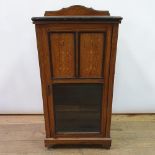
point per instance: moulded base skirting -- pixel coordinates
(105, 142)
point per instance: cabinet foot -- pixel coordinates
(104, 142)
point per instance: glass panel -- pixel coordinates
(77, 107)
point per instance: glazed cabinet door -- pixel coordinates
(77, 107)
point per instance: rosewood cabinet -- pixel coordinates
(77, 51)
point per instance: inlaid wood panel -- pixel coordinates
(91, 54)
(62, 54)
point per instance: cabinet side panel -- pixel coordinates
(111, 76)
(62, 54)
(91, 54)
(43, 75)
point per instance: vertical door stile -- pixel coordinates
(77, 63)
(106, 80)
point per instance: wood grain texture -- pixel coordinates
(24, 134)
(91, 54)
(44, 74)
(62, 54)
(77, 10)
(77, 48)
(105, 142)
(106, 80)
(78, 80)
(111, 76)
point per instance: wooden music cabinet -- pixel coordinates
(77, 51)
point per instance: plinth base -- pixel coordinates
(104, 142)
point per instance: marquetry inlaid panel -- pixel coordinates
(62, 55)
(91, 54)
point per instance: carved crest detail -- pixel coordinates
(77, 10)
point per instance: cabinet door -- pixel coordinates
(62, 54)
(77, 107)
(91, 54)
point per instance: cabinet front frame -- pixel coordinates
(43, 49)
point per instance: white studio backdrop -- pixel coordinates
(20, 87)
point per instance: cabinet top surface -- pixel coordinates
(112, 19)
(77, 13)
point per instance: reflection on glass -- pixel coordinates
(77, 107)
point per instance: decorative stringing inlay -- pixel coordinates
(62, 53)
(91, 54)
